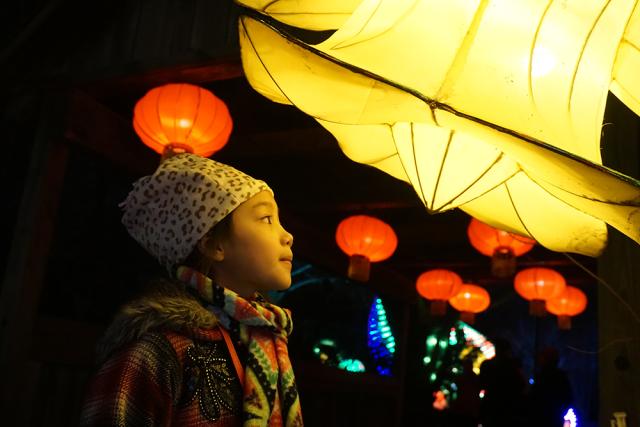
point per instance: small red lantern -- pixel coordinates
(178, 118)
(538, 285)
(470, 300)
(438, 286)
(503, 247)
(571, 302)
(365, 239)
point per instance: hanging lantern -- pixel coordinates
(503, 247)
(438, 286)
(571, 302)
(178, 118)
(470, 300)
(468, 102)
(365, 239)
(538, 285)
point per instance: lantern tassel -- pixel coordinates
(564, 322)
(358, 268)
(536, 308)
(438, 307)
(468, 317)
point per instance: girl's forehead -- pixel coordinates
(263, 199)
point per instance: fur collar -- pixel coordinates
(167, 306)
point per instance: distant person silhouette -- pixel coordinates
(503, 385)
(551, 394)
(466, 408)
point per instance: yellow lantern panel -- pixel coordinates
(487, 123)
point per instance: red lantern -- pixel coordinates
(571, 302)
(438, 286)
(538, 285)
(365, 239)
(503, 247)
(470, 300)
(178, 118)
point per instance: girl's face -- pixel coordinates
(256, 256)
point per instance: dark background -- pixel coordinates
(71, 74)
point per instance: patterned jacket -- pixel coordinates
(165, 363)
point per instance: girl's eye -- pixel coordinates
(266, 219)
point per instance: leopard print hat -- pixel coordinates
(170, 211)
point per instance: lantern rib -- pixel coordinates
(515, 209)
(381, 159)
(361, 29)
(395, 144)
(342, 46)
(157, 102)
(584, 47)
(475, 181)
(344, 239)
(415, 163)
(432, 103)
(175, 115)
(489, 190)
(444, 159)
(253, 46)
(533, 46)
(582, 196)
(268, 5)
(457, 65)
(213, 120)
(195, 115)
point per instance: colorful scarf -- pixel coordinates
(270, 393)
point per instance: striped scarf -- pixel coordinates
(270, 393)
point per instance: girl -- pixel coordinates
(204, 348)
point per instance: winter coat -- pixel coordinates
(164, 363)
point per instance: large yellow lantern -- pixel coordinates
(494, 107)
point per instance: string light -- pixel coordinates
(570, 419)
(381, 342)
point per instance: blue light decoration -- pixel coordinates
(570, 419)
(382, 344)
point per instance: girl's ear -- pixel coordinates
(211, 248)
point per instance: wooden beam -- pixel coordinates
(197, 73)
(92, 125)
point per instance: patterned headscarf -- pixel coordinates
(170, 211)
(270, 396)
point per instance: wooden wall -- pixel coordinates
(619, 307)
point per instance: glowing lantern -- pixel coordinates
(438, 286)
(571, 302)
(177, 118)
(475, 104)
(503, 247)
(470, 300)
(538, 285)
(365, 239)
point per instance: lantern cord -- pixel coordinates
(601, 349)
(607, 285)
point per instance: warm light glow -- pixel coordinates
(188, 116)
(570, 302)
(539, 284)
(438, 284)
(367, 236)
(486, 239)
(437, 94)
(543, 62)
(471, 299)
